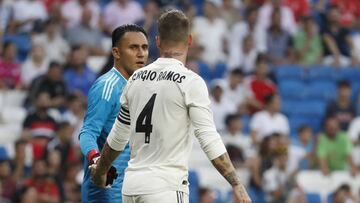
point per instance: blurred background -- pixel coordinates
(283, 78)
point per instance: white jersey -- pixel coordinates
(158, 105)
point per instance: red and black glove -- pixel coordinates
(111, 175)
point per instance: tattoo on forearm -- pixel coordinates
(107, 156)
(226, 169)
(172, 54)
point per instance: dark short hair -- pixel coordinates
(343, 83)
(54, 64)
(231, 117)
(237, 71)
(269, 98)
(120, 31)
(62, 125)
(173, 26)
(302, 128)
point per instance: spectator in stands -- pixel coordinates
(354, 135)
(39, 126)
(206, 195)
(302, 150)
(334, 149)
(71, 187)
(259, 83)
(269, 121)
(120, 12)
(343, 109)
(5, 15)
(246, 57)
(62, 143)
(9, 67)
(7, 181)
(47, 190)
(355, 37)
(343, 195)
(237, 92)
(22, 161)
(210, 32)
(246, 29)
(72, 10)
(28, 14)
(55, 46)
(235, 141)
(349, 11)
(337, 41)
(278, 41)
(53, 84)
(76, 106)
(25, 194)
(287, 23)
(229, 12)
(220, 105)
(259, 164)
(307, 43)
(78, 76)
(84, 34)
(35, 65)
(149, 23)
(276, 179)
(299, 8)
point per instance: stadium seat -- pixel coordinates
(350, 74)
(306, 108)
(289, 71)
(287, 106)
(193, 187)
(313, 198)
(355, 86)
(292, 89)
(296, 121)
(22, 42)
(246, 123)
(323, 90)
(319, 72)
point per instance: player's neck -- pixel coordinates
(122, 71)
(179, 54)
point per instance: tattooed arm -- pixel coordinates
(102, 166)
(226, 169)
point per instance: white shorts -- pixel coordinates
(163, 197)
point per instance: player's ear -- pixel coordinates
(115, 52)
(190, 40)
(157, 41)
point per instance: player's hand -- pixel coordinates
(240, 195)
(98, 179)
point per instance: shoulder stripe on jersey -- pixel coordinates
(125, 110)
(124, 118)
(107, 84)
(108, 96)
(122, 121)
(124, 115)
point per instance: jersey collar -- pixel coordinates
(118, 73)
(168, 60)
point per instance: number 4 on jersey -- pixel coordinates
(143, 122)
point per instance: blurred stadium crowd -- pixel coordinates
(283, 77)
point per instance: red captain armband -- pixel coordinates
(92, 156)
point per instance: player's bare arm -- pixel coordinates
(102, 166)
(226, 169)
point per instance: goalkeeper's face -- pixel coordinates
(132, 51)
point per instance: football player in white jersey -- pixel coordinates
(158, 105)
